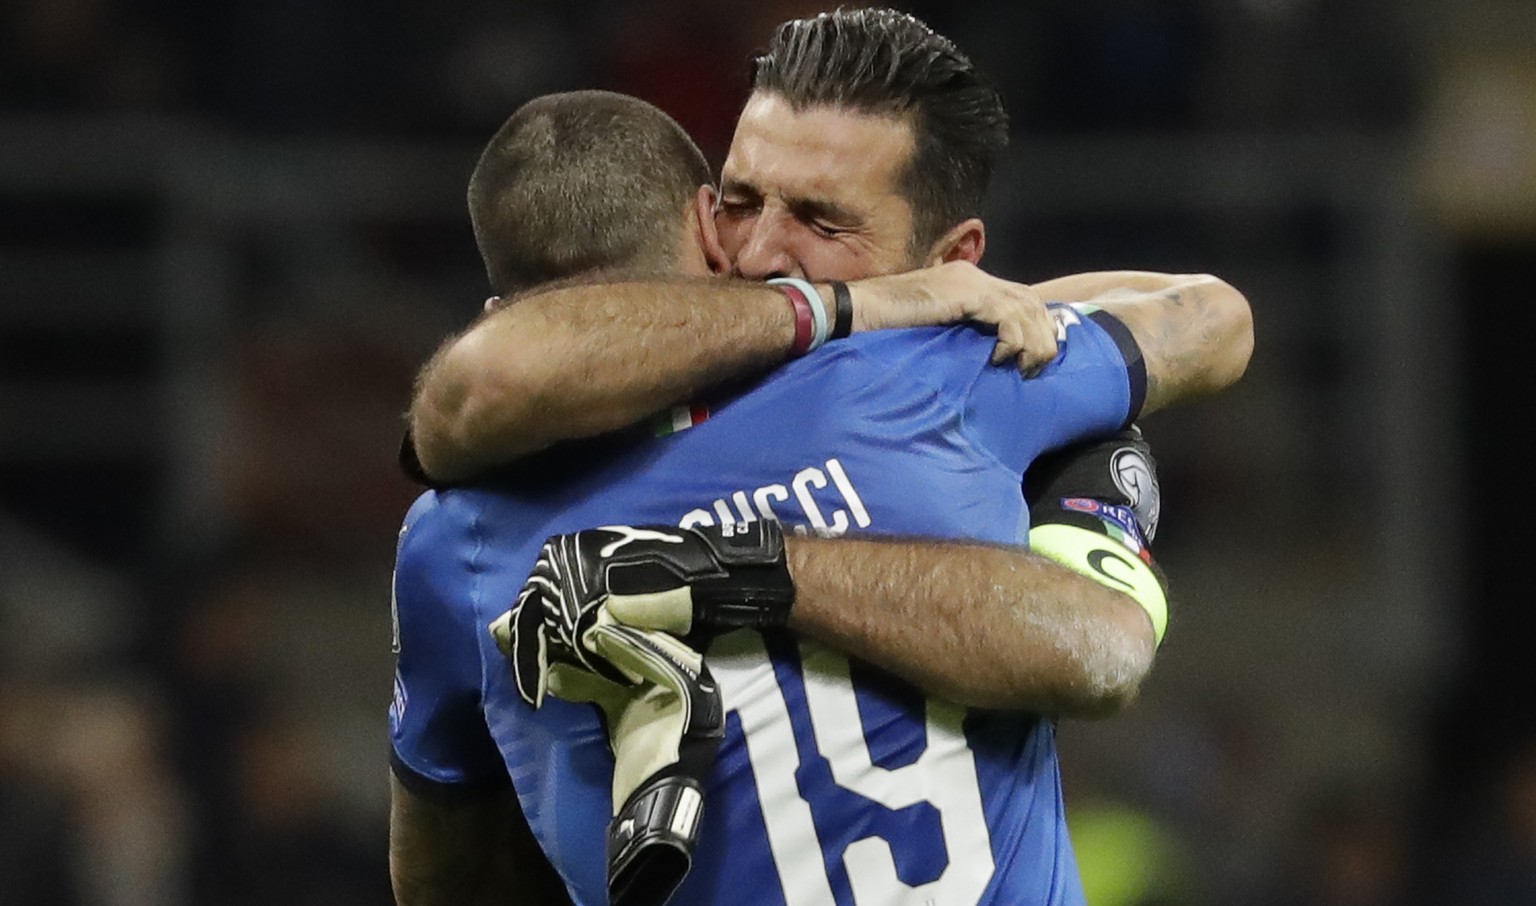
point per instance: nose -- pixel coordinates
(765, 253)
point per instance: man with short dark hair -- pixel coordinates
(1092, 657)
(597, 208)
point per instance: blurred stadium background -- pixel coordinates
(230, 232)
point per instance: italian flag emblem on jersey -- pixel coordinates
(679, 418)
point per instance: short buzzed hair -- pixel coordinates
(581, 183)
(882, 62)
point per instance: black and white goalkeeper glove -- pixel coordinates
(664, 721)
(600, 620)
(693, 583)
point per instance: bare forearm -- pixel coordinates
(1083, 287)
(581, 360)
(1195, 334)
(993, 628)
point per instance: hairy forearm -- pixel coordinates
(476, 854)
(1195, 334)
(987, 627)
(581, 360)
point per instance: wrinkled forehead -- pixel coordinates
(822, 149)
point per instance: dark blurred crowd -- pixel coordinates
(419, 68)
(196, 715)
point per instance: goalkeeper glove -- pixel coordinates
(691, 582)
(665, 722)
(592, 624)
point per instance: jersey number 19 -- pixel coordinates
(944, 776)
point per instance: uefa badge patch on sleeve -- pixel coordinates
(1134, 477)
(1120, 522)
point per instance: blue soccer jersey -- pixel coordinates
(836, 783)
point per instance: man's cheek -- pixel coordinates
(732, 235)
(835, 261)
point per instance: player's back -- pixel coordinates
(836, 783)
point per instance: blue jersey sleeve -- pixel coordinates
(1095, 386)
(441, 744)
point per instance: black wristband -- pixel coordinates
(842, 324)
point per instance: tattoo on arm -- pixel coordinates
(1195, 337)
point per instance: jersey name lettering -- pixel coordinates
(825, 495)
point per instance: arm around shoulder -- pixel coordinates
(579, 360)
(471, 406)
(984, 626)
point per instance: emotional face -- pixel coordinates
(814, 193)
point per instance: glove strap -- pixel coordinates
(755, 591)
(651, 840)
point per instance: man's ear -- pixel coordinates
(965, 241)
(709, 239)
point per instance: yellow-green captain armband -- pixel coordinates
(1106, 561)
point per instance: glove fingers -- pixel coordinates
(676, 701)
(646, 655)
(501, 633)
(578, 684)
(529, 649)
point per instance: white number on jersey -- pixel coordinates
(943, 776)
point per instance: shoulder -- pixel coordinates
(427, 524)
(936, 357)
(438, 539)
(963, 341)
(1089, 333)
(442, 519)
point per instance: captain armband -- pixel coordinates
(1107, 562)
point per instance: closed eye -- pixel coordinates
(826, 218)
(737, 207)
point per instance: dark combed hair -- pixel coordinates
(581, 183)
(883, 62)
